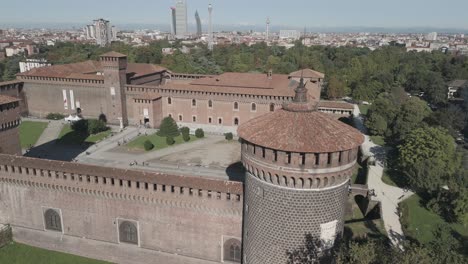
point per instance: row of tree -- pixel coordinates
(357, 72)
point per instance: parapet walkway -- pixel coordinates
(388, 196)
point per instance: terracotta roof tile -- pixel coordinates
(4, 99)
(335, 104)
(88, 70)
(307, 73)
(113, 54)
(303, 132)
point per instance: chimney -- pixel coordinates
(270, 74)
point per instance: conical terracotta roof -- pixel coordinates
(299, 127)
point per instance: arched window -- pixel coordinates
(194, 119)
(210, 104)
(170, 115)
(52, 220)
(194, 102)
(232, 250)
(209, 120)
(253, 107)
(169, 100)
(236, 121)
(220, 121)
(128, 232)
(180, 117)
(272, 107)
(236, 106)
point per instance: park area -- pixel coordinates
(30, 131)
(420, 223)
(159, 142)
(16, 253)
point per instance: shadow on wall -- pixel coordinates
(236, 172)
(54, 150)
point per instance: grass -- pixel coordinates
(357, 226)
(420, 223)
(70, 137)
(379, 140)
(30, 131)
(363, 109)
(16, 253)
(158, 142)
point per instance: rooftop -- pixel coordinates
(4, 99)
(300, 128)
(307, 73)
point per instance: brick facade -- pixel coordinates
(171, 216)
(9, 122)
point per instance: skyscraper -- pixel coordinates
(199, 29)
(267, 29)
(181, 18)
(173, 28)
(210, 28)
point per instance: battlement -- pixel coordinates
(93, 80)
(115, 183)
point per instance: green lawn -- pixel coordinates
(30, 131)
(158, 142)
(363, 109)
(70, 137)
(357, 226)
(379, 140)
(420, 223)
(16, 253)
(387, 179)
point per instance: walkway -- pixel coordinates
(51, 132)
(389, 196)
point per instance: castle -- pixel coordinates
(297, 155)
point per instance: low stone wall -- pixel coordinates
(5, 235)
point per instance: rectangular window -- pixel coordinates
(317, 158)
(303, 158)
(288, 154)
(329, 160)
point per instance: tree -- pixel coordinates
(446, 247)
(168, 128)
(310, 253)
(199, 133)
(411, 115)
(96, 126)
(427, 157)
(335, 88)
(377, 125)
(148, 145)
(228, 136)
(170, 141)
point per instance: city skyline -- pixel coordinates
(337, 13)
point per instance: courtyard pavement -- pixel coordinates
(179, 159)
(389, 196)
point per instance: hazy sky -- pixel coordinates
(300, 13)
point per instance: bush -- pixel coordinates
(199, 133)
(80, 126)
(103, 118)
(170, 141)
(168, 128)
(55, 116)
(148, 145)
(185, 130)
(96, 126)
(228, 136)
(186, 137)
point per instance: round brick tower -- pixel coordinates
(299, 162)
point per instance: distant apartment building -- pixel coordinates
(27, 49)
(181, 19)
(289, 34)
(101, 31)
(30, 64)
(455, 88)
(431, 36)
